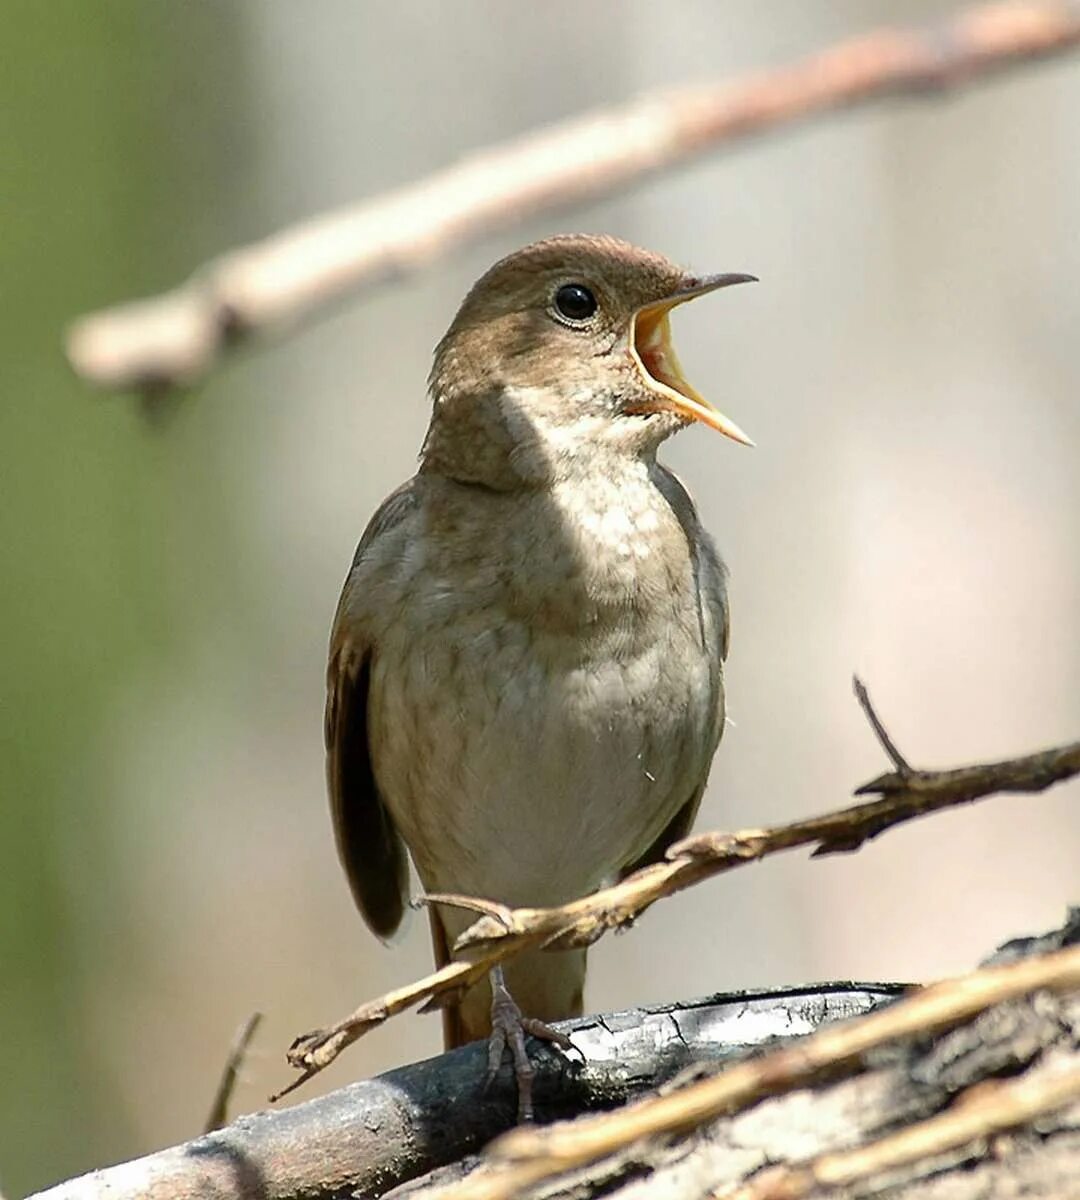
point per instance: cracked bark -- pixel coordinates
(984, 1107)
(368, 1137)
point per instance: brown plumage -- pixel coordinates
(525, 686)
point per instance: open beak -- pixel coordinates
(654, 356)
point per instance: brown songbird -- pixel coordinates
(525, 688)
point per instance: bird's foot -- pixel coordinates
(508, 1030)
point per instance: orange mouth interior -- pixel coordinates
(653, 353)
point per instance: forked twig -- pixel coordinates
(502, 932)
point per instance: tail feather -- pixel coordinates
(549, 986)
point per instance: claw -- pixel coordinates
(508, 1029)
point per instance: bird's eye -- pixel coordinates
(575, 302)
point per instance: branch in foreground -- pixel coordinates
(174, 339)
(983, 1111)
(373, 1135)
(503, 932)
(525, 1158)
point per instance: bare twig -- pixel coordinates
(525, 1157)
(503, 932)
(174, 339)
(219, 1110)
(880, 732)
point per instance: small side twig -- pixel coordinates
(502, 933)
(880, 732)
(219, 1110)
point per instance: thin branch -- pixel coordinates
(983, 1111)
(525, 1157)
(504, 932)
(219, 1110)
(174, 339)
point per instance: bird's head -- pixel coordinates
(564, 348)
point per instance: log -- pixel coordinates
(370, 1136)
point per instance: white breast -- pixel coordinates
(542, 704)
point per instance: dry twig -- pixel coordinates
(503, 932)
(525, 1157)
(174, 339)
(219, 1110)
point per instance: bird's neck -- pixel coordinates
(505, 441)
(470, 440)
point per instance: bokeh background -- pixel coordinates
(908, 366)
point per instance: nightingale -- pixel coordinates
(525, 683)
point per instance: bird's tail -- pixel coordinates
(546, 985)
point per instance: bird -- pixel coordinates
(525, 686)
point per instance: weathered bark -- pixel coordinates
(986, 1108)
(1032, 1039)
(978, 1098)
(371, 1136)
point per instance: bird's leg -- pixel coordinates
(508, 1030)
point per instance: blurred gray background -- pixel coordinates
(908, 367)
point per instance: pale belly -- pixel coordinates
(523, 769)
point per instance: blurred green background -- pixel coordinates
(912, 511)
(113, 155)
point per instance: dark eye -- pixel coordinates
(575, 302)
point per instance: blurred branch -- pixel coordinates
(174, 339)
(526, 1157)
(219, 1109)
(502, 932)
(370, 1136)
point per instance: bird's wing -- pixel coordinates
(710, 582)
(710, 575)
(676, 829)
(369, 845)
